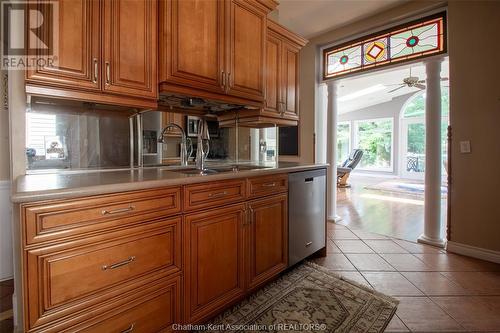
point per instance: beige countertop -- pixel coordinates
(38, 187)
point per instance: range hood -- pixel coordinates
(197, 105)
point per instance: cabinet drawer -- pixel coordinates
(215, 193)
(74, 274)
(61, 219)
(150, 314)
(266, 185)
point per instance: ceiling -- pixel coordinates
(385, 78)
(310, 18)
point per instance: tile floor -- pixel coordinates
(438, 291)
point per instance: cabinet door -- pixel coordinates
(130, 51)
(213, 249)
(290, 63)
(78, 52)
(273, 75)
(267, 238)
(246, 57)
(173, 118)
(192, 43)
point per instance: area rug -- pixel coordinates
(415, 189)
(309, 298)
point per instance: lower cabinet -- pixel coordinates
(267, 237)
(214, 260)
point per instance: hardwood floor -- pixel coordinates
(437, 291)
(393, 214)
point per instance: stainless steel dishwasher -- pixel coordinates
(306, 214)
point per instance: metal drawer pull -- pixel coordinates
(117, 211)
(130, 329)
(118, 264)
(269, 185)
(108, 73)
(216, 195)
(308, 244)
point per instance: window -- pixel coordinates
(375, 138)
(343, 141)
(409, 41)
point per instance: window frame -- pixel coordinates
(350, 142)
(442, 15)
(356, 143)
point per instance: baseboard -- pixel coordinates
(472, 251)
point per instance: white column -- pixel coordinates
(331, 151)
(432, 215)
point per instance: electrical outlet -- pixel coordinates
(465, 147)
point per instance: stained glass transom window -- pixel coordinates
(414, 40)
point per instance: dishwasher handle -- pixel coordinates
(309, 180)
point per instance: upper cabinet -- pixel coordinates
(214, 49)
(103, 55)
(281, 82)
(130, 47)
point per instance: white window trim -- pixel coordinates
(346, 122)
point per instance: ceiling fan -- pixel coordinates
(410, 82)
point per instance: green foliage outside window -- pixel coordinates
(375, 138)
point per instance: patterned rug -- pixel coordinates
(309, 298)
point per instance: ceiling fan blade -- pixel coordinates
(393, 90)
(395, 84)
(421, 81)
(420, 86)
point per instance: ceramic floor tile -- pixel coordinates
(471, 312)
(447, 262)
(336, 261)
(417, 248)
(396, 325)
(392, 283)
(355, 277)
(331, 247)
(335, 226)
(480, 283)
(434, 283)
(342, 234)
(352, 246)
(493, 302)
(405, 262)
(369, 262)
(384, 246)
(367, 235)
(421, 314)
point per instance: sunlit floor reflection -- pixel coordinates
(399, 215)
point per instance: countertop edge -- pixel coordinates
(71, 193)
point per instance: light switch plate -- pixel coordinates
(465, 147)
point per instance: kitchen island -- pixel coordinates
(142, 249)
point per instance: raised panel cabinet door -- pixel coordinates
(76, 48)
(247, 50)
(267, 235)
(290, 56)
(192, 43)
(214, 270)
(130, 47)
(273, 75)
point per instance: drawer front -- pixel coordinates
(55, 220)
(266, 185)
(148, 315)
(215, 193)
(72, 274)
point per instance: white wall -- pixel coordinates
(389, 109)
(6, 268)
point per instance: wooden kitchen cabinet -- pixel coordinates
(130, 52)
(79, 45)
(214, 49)
(267, 238)
(214, 260)
(103, 55)
(173, 118)
(281, 105)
